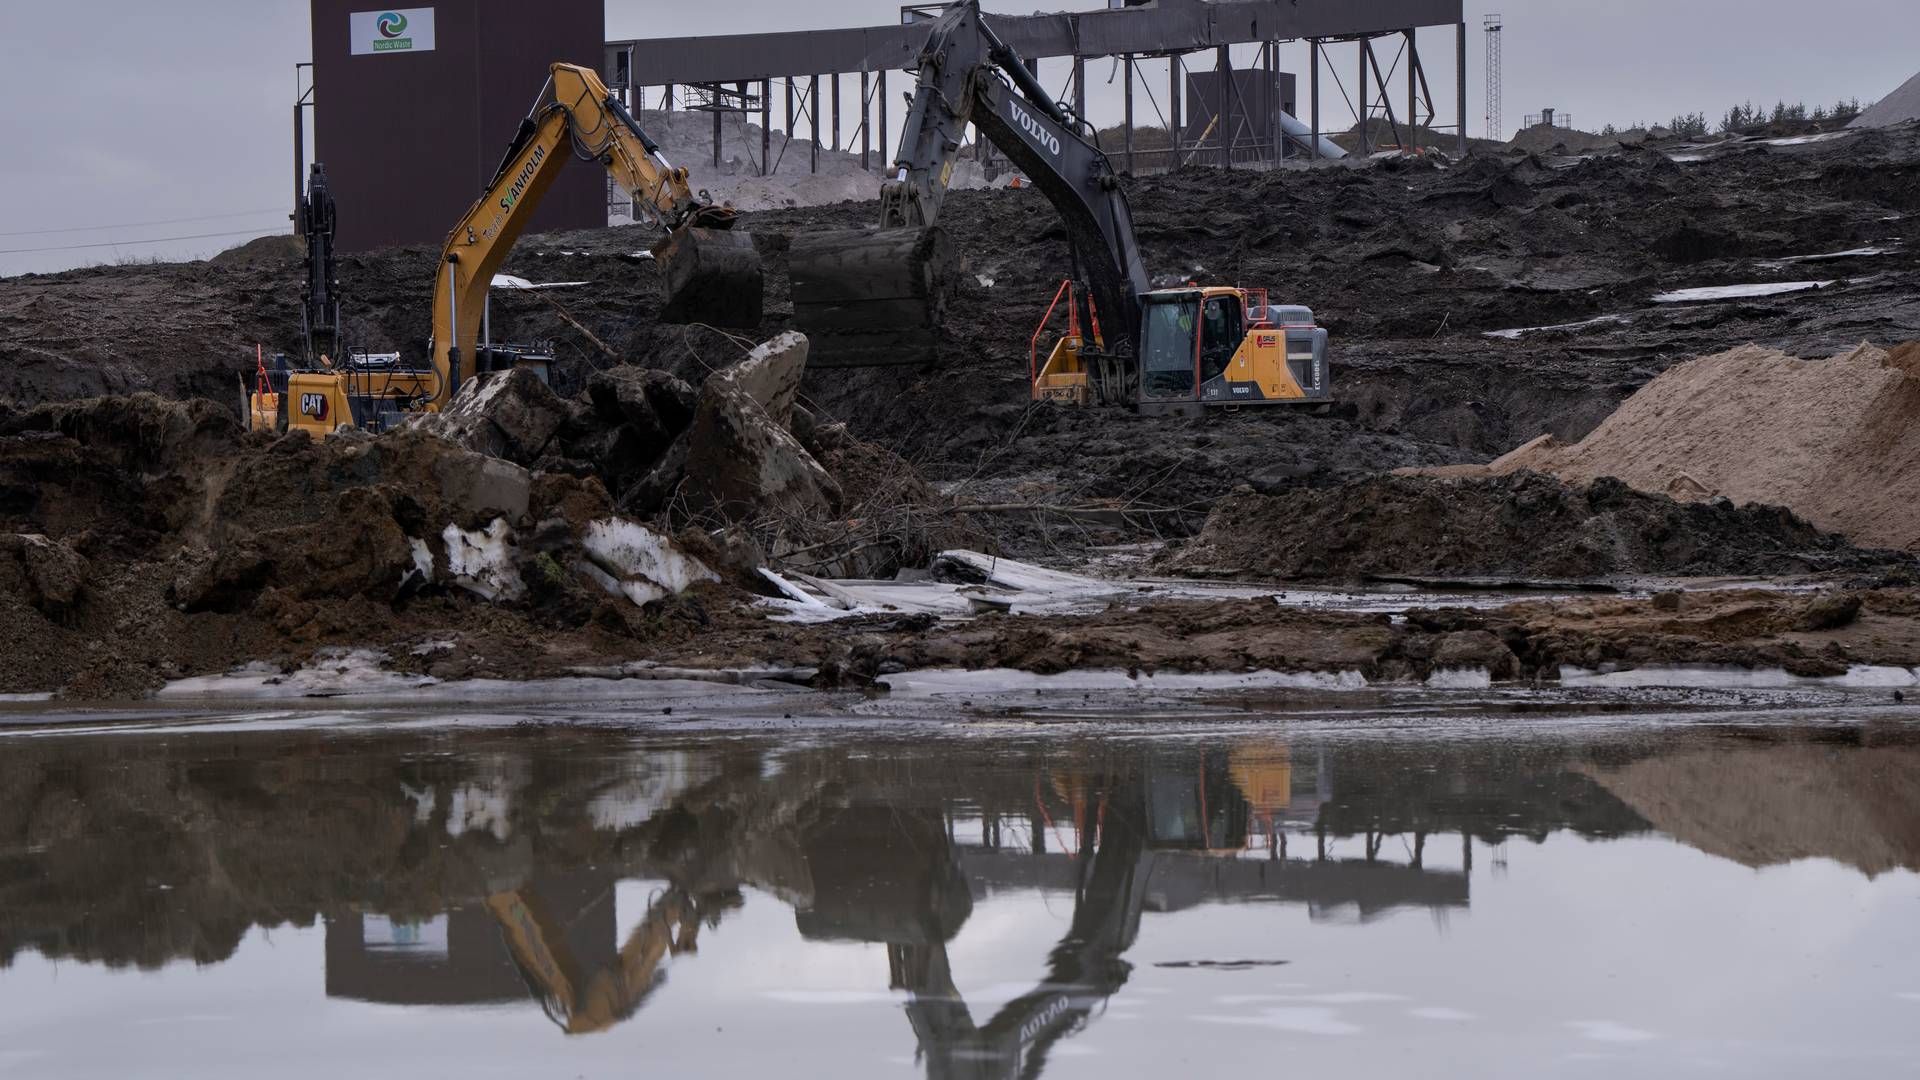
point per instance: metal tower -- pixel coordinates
(1494, 129)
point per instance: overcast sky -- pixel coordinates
(129, 121)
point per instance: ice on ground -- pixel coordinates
(1808, 140)
(482, 562)
(1017, 576)
(1860, 676)
(1026, 589)
(1460, 679)
(520, 284)
(334, 673)
(949, 682)
(422, 554)
(1737, 292)
(1830, 256)
(640, 563)
(1520, 332)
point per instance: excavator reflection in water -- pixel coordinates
(866, 856)
(582, 1003)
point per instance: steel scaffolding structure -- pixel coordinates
(1236, 119)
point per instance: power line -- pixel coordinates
(142, 224)
(130, 243)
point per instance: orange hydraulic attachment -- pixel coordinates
(263, 405)
(1063, 377)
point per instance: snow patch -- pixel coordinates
(1831, 256)
(640, 563)
(1520, 332)
(422, 554)
(482, 562)
(947, 682)
(1460, 679)
(333, 673)
(520, 284)
(1860, 676)
(1738, 292)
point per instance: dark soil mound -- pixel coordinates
(1524, 525)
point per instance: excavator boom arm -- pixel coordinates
(576, 115)
(968, 75)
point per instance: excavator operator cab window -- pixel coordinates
(1167, 343)
(1220, 336)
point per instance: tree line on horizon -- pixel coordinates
(1745, 115)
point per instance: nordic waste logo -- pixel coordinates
(391, 25)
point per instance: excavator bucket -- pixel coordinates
(870, 298)
(710, 276)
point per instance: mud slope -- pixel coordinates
(1517, 525)
(1409, 264)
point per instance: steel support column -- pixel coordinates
(866, 127)
(1276, 138)
(836, 112)
(1313, 91)
(1363, 99)
(885, 162)
(813, 124)
(1223, 109)
(1174, 71)
(766, 125)
(1126, 130)
(1460, 73)
(1413, 89)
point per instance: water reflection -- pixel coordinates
(461, 872)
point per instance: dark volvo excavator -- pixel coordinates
(877, 296)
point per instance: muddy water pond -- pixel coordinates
(1731, 893)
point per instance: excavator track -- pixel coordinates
(871, 298)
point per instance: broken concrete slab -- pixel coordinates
(484, 486)
(743, 465)
(511, 415)
(771, 374)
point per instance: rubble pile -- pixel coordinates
(143, 539)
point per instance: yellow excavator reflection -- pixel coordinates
(582, 1002)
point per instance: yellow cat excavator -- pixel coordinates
(709, 273)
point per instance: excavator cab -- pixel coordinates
(1228, 346)
(1169, 346)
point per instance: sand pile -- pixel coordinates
(1835, 440)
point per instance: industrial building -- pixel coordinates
(412, 109)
